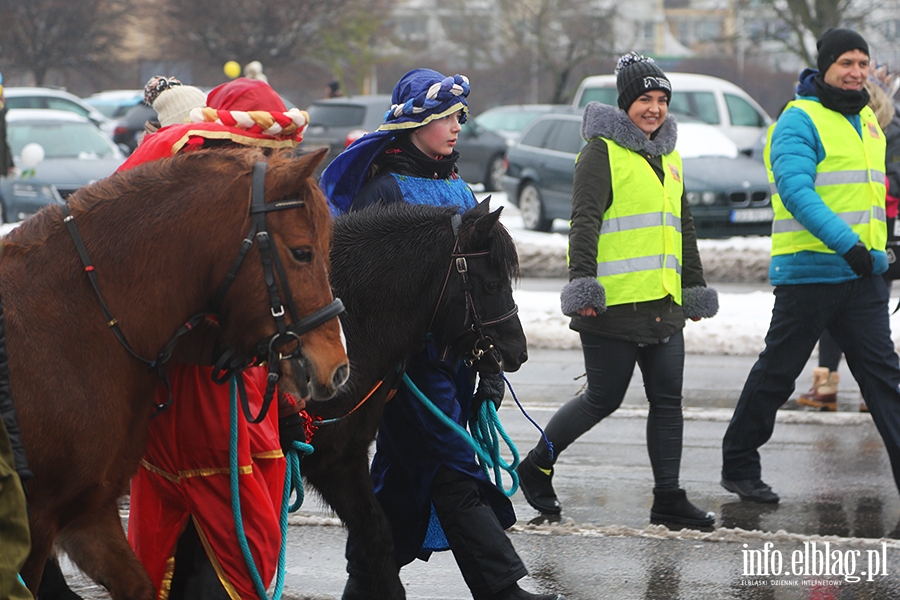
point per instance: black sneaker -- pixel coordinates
(751, 490)
(672, 509)
(537, 487)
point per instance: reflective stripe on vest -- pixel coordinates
(850, 180)
(639, 249)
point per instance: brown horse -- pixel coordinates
(162, 239)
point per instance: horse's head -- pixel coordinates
(299, 326)
(479, 294)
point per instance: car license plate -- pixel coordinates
(751, 215)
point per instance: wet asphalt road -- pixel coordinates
(830, 469)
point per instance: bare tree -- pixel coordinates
(799, 22)
(558, 35)
(40, 35)
(275, 33)
(354, 45)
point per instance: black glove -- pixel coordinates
(859, 259)
(490, 387)
(291, 428)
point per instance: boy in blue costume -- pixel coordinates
(419, 462)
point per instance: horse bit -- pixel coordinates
(270, 347)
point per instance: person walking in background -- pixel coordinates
(254, 70)
(881, 87)
(826, 158)
(634, 276)
(333, 89)
(411, 158)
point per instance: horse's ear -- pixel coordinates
(485, 223)
(483, 207)
(306, 164)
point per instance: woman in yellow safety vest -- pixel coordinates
(634, 277)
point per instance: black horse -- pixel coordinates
(398, 271)
(402, 271)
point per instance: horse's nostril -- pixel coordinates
(523, 357)
(341, 375)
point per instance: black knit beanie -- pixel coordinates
(835, 42)
(636, 75)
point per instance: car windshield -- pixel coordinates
(60, 139)
(507, 120)
(336, 115)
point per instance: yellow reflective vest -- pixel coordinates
(850, 180)
(639, 249)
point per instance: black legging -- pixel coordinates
(609, 365)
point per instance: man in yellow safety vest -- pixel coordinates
(825, 158)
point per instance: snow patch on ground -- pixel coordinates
(722, 534)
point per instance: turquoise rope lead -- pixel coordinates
(293, 482)
(484, 440)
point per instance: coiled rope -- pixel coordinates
(293, 483)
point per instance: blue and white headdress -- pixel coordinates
(421, 96)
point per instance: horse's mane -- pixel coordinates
(407, 230)
(144, 188)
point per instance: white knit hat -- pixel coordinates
(175, 103)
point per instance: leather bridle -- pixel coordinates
(268, 350)
(473, 321)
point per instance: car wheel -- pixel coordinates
(532, 208)
(493, 178)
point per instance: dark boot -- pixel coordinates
(537, 486)
(671, 507)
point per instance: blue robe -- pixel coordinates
(412, 443)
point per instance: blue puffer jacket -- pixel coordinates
(796, 151)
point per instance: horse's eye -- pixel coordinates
(304, 254)
(494, 287)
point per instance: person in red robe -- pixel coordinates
(182, 485)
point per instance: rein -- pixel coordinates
(269, 347)
(165, 354)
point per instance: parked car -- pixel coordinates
(714, 101)
(509, 120)
(728, 192)
(482, 156)
(129, 127)
(40, 97)
(75, 153)
(115, 103)
(336, 122)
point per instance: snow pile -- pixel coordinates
(738, 260)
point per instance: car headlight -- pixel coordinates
(33, 190)
(693, 198)
(708, 198)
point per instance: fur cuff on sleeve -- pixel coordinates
(582, 293)
(699, 302)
